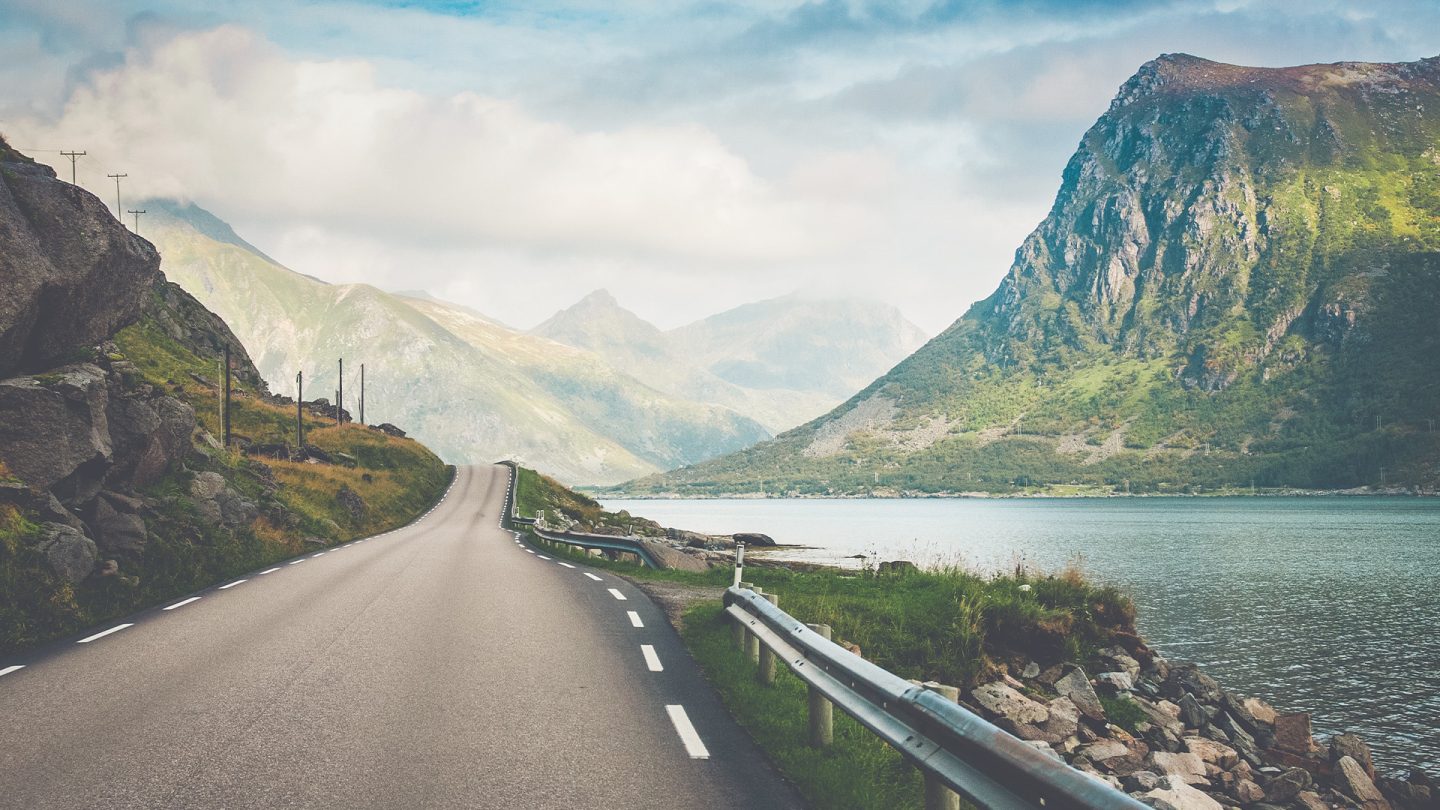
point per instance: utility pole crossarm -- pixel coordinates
(119, 210)
(73, 157)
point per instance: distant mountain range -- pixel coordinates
(781, 361)
(1238, 285)
(471, 388)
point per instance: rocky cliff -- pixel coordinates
(114, 491)
(1231, 289)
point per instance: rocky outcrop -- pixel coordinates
(1174, 738)
(73, 275)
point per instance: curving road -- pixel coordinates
(440, 665)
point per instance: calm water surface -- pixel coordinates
(1326, 605)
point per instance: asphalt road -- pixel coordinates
(440, 665)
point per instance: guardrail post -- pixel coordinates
(822, 711)
(767, 655)
(737, 630)
(938, 795)
(752, 641)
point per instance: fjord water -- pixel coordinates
(1326, 605)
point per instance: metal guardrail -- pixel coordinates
(964, 751)
(603, 542)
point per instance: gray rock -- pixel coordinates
(1118, 659)
(1287, 785)
(897, 567)
(1115, 682)
(1350, 745)
(1352, 780)
(40, 503)
(1076, 686)
(1140, 781)
(1187, 678)
(1031, 671)
(235, 511)
(1188, 767)
(754, 539)
(53, 430)
(115, 524)
(1002, 701)
(1247, 792)
(353, 504)
(207, 485)
(149, 436)
(1190, 712)
(675, 559)
(1175, 794)
(73, 274)
(70, 553)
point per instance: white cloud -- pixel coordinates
(222, 115)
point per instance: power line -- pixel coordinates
(73, 156)
(119, 212)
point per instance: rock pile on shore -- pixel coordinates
(1170, 736)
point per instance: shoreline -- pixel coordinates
(990, 496)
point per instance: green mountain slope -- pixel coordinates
(1237, 285)
(475, 394)
(780, 362)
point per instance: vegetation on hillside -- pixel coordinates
(298, 505)
(1235, 288)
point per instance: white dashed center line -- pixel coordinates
(634, 619)
(543, 557)
(296, 562)
(8, 670)
(321, 554)
(693, 746)
(103, 633)
(233, 584)
(183, 603)
(651, 659)
(592, 576)
(617, 594)
(529, 551)
(268, 571)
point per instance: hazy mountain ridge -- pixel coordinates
(1232, 286)
(489, 394)
(780, 361)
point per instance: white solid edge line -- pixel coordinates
(567, 565)
(634, 619)
(688, 735)
(233, 584)
(183, 603)
(8, 670)
(617, 594)
(651, 659)
(592, 576)
(103, 633)
(268, 571)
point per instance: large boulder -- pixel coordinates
(1076, 686)
(116, 523)
(1174, 794)
(149, 436)
(73, 275)
(673, 558)
(1002, 701)
(1352, 780)
(70, 554)
(54, 432)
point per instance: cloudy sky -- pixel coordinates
(688, 155)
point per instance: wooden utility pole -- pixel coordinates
(72, 156)
(340, 393)
(362, 393)
(299, 410)
(137, 218)
(119, 212)
(337, 407)
(225, 416)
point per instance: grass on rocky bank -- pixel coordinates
(394, 481)
(948, 625)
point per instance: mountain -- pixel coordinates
(466, 386)
(1236, 286)
(780, 362)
